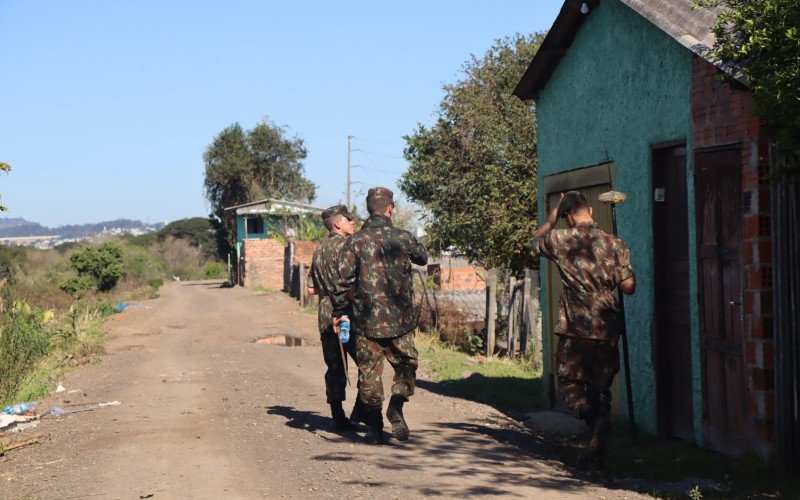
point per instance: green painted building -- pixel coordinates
(268, 218)
(626, 99)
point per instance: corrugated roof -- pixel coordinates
(689, 26)
(271, 205)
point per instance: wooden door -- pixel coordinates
(602, 215)
(672, 332)
(719, 233)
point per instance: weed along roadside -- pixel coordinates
(54, 302)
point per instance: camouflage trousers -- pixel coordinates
(400, 352)
(585, 369)
(335, 378)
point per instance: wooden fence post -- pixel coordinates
(302, 294)
(513, 317)
(491, 311)
(525, 332)
(533, 319)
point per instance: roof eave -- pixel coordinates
(558, 40)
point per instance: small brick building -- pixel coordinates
(627, 98)
(261, 229)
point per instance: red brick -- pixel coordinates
(750, 227)
(764, 251)
(750, 350)
(752, 278)
(750, 179)
(747, 253)
(753, 127)
(750, 301)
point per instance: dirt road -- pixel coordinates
(205, 412)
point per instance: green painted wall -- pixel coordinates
(271, 223)
(621, 88)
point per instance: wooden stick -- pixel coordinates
(20, 444)
(344, 361)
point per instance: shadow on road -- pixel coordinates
(209, 284)
(308, 421)
(512, 396)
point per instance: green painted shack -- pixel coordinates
(627, 99)
(270, 217)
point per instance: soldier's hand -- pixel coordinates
(336, 322)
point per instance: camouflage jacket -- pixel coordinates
(324, 273)
(591, 263)
(377, 266)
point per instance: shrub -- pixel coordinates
(24, 339)
(78, 286)
(215, 270)
(101, 263)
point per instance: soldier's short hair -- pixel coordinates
(572, 203)
(379, 199)
(330, 221)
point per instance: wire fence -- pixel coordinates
(464, 318)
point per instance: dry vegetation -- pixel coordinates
(52, 308)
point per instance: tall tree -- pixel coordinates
(243, 166)
(474, 170)
(762, 38)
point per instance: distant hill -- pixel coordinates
(15, 226)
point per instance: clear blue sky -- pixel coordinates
(107, 107)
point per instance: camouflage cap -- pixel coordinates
(380, 192)
(336, 210)
(567, 203)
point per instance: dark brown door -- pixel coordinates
(673, 352)
(719, 234)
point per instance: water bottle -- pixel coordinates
(344, 330)
(20, 408)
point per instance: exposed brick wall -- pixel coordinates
(461, 278)
(722, 113)
(455, 274)
(303, 251)
(263, 263)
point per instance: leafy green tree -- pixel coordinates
(198, 231)
(762, 38)
(243, 166)
(474, 170)
(100, 267)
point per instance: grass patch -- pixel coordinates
(507, 385)
(658, 460)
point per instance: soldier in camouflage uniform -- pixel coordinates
(323, 273)
(592, 263)
(377, 267)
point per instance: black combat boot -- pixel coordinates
(598, 443)
(357, 415)
(374, 420)
(587, 414)
(395, 415)
(340, 422)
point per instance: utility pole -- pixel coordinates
(347, 187)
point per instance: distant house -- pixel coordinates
(627, 98)
(265, 234)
